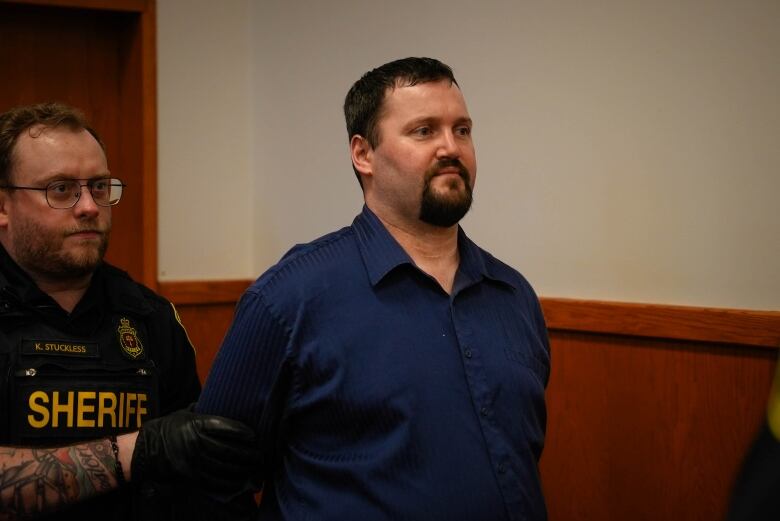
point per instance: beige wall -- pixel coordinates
(627, 150)
(206, 139)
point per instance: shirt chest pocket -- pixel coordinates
(525, 356)
(524, 348)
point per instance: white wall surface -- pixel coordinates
(627, 150)
(205, 139)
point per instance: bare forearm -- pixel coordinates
(38, 480)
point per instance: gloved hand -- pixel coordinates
(210, 452)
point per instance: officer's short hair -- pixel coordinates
(364, 101)
(24, 118)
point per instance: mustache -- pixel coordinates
(88, 229)
(440, 165)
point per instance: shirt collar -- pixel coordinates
(477, 264)
(20, 287)
(382, 254)
(17, 283)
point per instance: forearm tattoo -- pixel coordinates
(33, 481)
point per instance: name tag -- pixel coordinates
(60, 348)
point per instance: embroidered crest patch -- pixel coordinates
(128, 339)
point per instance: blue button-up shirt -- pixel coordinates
(381, 397)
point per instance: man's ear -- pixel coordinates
(3, 209)
(362, 154)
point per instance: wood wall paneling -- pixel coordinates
(648, 429)
(206, 310)
(206, 325)
(651, 407)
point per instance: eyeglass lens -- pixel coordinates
(65, 193)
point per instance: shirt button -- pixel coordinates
(483, 411)
(501, 468)
(467, 353)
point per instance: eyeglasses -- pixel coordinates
(65, 193)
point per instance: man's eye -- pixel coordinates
(59, 188)
(463, 131)
(422, 131)
(101, 185)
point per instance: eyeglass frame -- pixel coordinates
(89, 183)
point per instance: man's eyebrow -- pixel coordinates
(421, 120)
(465, 120)
(62, 176)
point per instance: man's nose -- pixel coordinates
(448, 145)
(86, 205)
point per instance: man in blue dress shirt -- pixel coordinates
(393, 369)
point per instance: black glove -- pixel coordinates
(210, 452)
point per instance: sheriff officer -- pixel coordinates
(86, 353)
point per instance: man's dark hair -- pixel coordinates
(364, 102)
(25, 118)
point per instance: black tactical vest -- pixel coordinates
(57, 387)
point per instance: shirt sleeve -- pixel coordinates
(532, 307)
(541, 328)
(248, 379)
(179, 384)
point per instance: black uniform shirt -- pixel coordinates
(121, 357)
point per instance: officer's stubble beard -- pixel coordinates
(40, 250)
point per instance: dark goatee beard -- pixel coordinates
(445, 210)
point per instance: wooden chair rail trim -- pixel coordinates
(203, 292)
(732, 326)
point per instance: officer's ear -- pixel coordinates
(3, 209)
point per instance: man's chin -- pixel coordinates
(445, 204)
(445, 214)
(83, 261)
